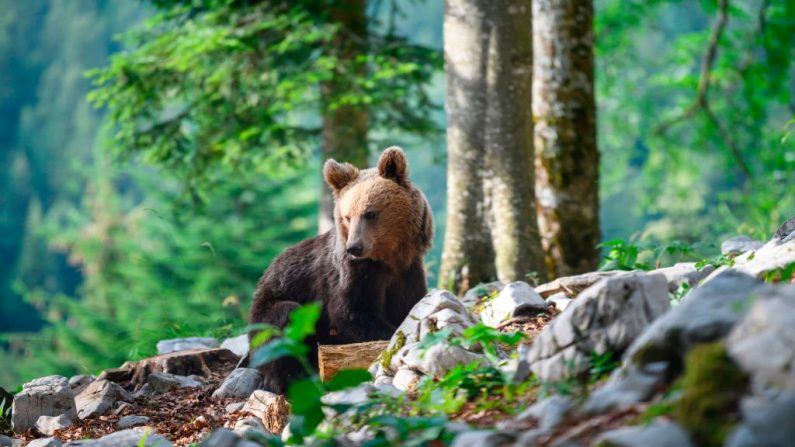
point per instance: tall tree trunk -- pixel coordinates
(491, 218)
(344, 129)
(567, 159)
(509, 142)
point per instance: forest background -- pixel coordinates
(103, 254)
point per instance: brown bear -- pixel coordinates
(367, 272)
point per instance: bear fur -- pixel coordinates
(367, 271)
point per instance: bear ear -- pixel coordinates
(392, 165)
(338, 175)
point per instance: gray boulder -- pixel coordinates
(658, 434)
(549, 413)
(573, 285)
(45, 442)
(763, 343)
(98, 398)
(132, 421)
(80, 382)
(607, 317)
(705, 315)
(47, 396)
(183, 344)
(239, 345)
(766, 421)
(162, 382)
(126, 438)
(48, 425)
(240, 383)
(739, 245)
(484, 438)
(516, 298)
(560, 300)
(684, 273)
(5, 441)
(477, 293)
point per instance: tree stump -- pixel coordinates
(332, 358)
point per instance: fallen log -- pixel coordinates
(332, 358)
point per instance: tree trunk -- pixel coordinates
(509, 142)
(564, 112)
(468, 254)
(491, 226)
(344, 129)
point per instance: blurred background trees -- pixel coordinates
(160, 224)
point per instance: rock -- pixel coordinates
(120, 406)
(201, 362)
(705, 315)
(5, 441)
(438, 359)
(773, 256)
(240, 384)
(45, 442)
(47, 425)
(79, 383)
(405, 379)
(184, 344)
(549, 413)
(786, 232)
(658, 434)
(163, 382)
(560, 300)
(234, 407)
(127, 438)
(607, 317)
(517, 298)
(484, 438)
(272, 409)
(766, 421)
(245, 425)
(573, 285)
(47, 396)
(475, 294)
(684, 272)
(739, 245)
(436, 311)
(763, 343)
(239, 345)
(98, 398)
(131, 421)
(221, 438)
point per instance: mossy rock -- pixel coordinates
(712, 386)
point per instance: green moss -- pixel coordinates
(651, 353)
(386, 356)
(712, 386)
(477, 308)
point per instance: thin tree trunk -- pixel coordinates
(564, 112)
(468, 254)
(491, 229)
(509, 142)
(344, 129)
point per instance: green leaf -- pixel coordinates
(276, 349)
(302, 322)
(348, 378)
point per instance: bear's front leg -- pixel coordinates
(355, 322)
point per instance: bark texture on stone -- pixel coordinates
(564, 114)
(343, 134)
(491, 229)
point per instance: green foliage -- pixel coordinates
(154, 272)
(239, 85)
(645, 255)
(781, 274)
(712, 386)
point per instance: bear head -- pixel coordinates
(378, 213)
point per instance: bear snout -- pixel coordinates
(355, 249)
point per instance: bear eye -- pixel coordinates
(370, 215)
(348, 219)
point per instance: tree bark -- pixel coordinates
(344, 129)
(509, 142)
(564, 112)
(468, 254)
(491, 229)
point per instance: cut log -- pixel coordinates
(332, 358)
